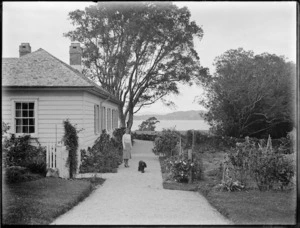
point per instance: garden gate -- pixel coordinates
(56, 158)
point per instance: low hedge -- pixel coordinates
(207, 142)
(144, 136)
(16, 174)
(21, 160)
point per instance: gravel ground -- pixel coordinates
(131, 197)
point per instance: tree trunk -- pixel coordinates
(130, 119)
(122, 117)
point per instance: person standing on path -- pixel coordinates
(127, 146)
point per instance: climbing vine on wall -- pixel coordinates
(71, 142)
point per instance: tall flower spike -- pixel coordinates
(269, 144)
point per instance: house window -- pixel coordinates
(108, 119)
(114, 119)
(24, 117)
(103, 122)
(96, 119)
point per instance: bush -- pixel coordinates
(144, 136)
(272, 169)
(286, 145)
(117, 141)
(71, 141)
(182, 169)
(166, 143)
(267, 166)
(198, 169)
(118, 134)
(204, 142)
(17, 151)
(5, 128)
(15, 174)
(103, 157)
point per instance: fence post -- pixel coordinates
(59, 158)
(47, 155)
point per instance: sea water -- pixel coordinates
(180, 125)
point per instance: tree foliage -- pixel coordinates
(137, 51)
(250, 94)
(70, 139)
(149, 124)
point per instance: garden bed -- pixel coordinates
(243, 207)
(174, 185)
(39, 202)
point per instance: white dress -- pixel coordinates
(127, 146)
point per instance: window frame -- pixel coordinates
(103, 122)
(15, 100)
(96, 119)
(109, 128)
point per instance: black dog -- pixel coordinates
(142, 166)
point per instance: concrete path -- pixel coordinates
(131, 197)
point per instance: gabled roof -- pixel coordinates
(41, 69)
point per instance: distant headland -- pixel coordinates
(180, 115)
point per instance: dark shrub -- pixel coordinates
(103, 157)
(117, 141)
(18, 151)
(144, 136)
(167, 143)
(118, 134)
(71, 141)
(15, 174)
(40, 168)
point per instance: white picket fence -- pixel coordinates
(56, 159)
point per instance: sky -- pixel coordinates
(257, 26)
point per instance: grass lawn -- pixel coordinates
(41, 201)
(251, 207)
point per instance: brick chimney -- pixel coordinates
(24, 49)
(75, 56)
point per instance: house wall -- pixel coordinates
(55, 106)
(89, 100)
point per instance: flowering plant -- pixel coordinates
(180, 168)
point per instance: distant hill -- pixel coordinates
(181, 115)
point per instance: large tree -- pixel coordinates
(251, 94)
(137, 51)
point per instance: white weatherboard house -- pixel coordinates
(40, 91)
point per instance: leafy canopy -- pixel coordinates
(250, 94)
(138, 51)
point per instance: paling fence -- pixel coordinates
(56, 158)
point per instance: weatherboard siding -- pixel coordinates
(55, 106)
(89, 101)
(6, 109)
